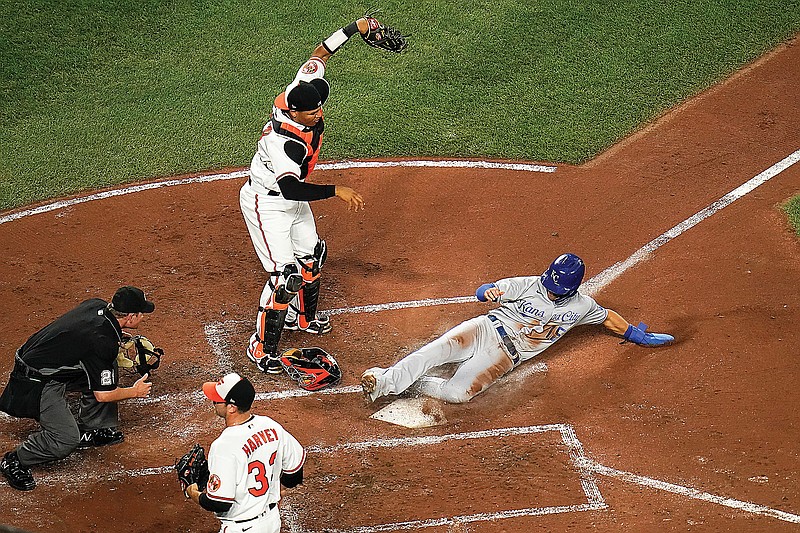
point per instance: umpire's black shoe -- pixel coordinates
(17, 475)
(100, 437)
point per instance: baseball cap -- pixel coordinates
(304, 95)
(233, 389)
(131, 300)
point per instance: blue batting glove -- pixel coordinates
(640, 336)
(480, 294)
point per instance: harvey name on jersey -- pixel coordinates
(258, 439)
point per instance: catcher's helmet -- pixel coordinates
(564, 275)
(311, 368)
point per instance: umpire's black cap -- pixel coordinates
(131, 300)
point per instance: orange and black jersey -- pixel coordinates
(302, 146)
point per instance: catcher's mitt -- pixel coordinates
(138, 353)
(311, 368)
(193, 468)
(383, 36)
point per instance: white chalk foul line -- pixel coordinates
(197, 396)
(342, 165)
(608, 275)
(427, 440)
(604, 278)
(691, 493)
(391, 306)
(462, 519)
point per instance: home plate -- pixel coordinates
(419, 412)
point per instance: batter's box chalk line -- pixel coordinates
(586, 468)
(218, 333)
(594, 500)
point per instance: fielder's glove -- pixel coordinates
(640, 336)
(138, 353)
(193, 468)
(383, 36)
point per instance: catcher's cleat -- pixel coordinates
(267, 363)
(18, 476)
(320, 326)
(100, 437)
(369, 384)
(270, 365)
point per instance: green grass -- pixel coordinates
(792, 210)
(99, 92)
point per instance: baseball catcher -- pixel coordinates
(275, 199)
(137, 353)
(192, 469)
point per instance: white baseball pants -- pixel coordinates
(281, 230)
(473, 343)
(270, 522)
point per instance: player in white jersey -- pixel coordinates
(247, 463)
(534, 312)
(275, 205)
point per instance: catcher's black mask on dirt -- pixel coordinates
(311, 368)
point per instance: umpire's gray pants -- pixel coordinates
(60, 431)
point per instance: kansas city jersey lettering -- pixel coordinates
(259, 439)
(528, 309)
(536, 322)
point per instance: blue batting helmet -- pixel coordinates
(564, 275)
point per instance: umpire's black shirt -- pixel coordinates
(83, 342)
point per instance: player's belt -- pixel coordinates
(270, 192)
(271, 507)
(510, 348)
(26, 370)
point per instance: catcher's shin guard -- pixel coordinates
(307, 318)
(310, 267)
(263, 348)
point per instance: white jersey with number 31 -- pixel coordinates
(245, 464)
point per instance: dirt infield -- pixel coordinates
(703, 435)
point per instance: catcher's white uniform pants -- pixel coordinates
(270, 522)
(281, 230)
(474, 343)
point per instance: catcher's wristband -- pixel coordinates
(339, 37)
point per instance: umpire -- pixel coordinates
(75, 353)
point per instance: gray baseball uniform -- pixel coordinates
(487, 347)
